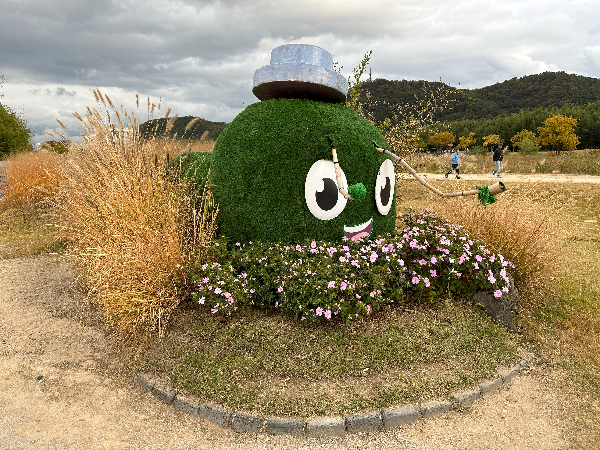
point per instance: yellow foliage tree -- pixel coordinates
(491, 139)
(558, 131)
(441, 139)
(464, 142)
(524, 135)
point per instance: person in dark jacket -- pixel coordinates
(498, 154)
(455, 162)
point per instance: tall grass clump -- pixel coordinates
(30, 179)
(133, 225)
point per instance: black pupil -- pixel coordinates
(327, 198)
(385, 192)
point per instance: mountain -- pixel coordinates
(182, 128)
(511, 96)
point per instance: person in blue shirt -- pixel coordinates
(455, 162)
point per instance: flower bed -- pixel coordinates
(320, 281)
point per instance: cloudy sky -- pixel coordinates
(199, 56)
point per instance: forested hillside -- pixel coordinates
(511, 96)
(504, 108)
(182, 128)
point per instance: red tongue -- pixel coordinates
(360, 234)
(357, 236)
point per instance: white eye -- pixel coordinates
(321, 191)
(384, 187)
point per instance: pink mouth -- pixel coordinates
(358, 232)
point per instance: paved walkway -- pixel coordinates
(517, 177)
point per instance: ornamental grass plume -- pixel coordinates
(132, 225)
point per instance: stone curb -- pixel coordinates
(383, 419)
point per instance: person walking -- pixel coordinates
(455, 162)
(498, 154)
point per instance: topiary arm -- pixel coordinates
(491, 190)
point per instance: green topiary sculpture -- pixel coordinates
(273, 174)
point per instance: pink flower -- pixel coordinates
(218, 290)
(201, 301)
(319, 311)
(280, 289)
(433, 273)
(328, 314)
(415, 280)
(433, 260)
(478, 258)
(497, 293)
(458, 274)
(313, 244)
(373, 257)
(343, 286)
(205, 280)
(331, 284)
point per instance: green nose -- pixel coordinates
(357, 191)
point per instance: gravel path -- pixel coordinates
(510, 177)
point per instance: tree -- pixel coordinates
(441, 139)
(491, 139)
(523, 135)
(525, 141)
(355, 86)
(465, 142)
(14, 134)
(558, 131)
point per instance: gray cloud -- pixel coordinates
(199, 55)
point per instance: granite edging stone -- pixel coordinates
(382, 419)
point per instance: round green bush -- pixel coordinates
(528, 147)
(261, 161)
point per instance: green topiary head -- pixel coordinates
(273, 174)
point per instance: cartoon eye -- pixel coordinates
(321, 191)
(384, 187)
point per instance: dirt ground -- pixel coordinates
(62, 387)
